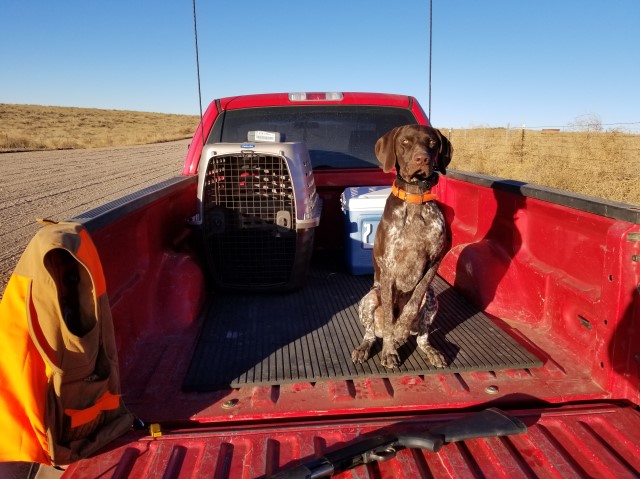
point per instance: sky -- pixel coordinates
(499, 63)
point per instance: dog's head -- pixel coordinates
(415, 150)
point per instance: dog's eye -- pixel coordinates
(432, 143)
(405, 141)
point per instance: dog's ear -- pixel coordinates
(444, 153)
(386, 150)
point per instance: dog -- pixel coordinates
(408, 247)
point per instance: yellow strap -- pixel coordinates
(106, 402)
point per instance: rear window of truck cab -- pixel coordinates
(336, 136)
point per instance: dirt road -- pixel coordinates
(62, 184)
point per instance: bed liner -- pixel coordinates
(195, 374)
(307, 336)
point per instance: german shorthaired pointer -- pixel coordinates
(408, 247)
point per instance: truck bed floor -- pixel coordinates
(251, 339)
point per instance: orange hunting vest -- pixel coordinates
(59, 381)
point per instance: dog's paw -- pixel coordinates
(390, 359)
(361, 353)
(434, 356)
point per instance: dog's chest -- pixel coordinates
(413, 236)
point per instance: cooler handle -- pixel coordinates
(366, 233)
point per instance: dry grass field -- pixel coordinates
(31, 127)
(601, 164)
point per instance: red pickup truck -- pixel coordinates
(247, 372)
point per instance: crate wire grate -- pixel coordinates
(250, 219)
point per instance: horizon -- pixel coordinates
(542, 65)
(588, 123)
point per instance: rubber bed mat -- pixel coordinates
(307, 336)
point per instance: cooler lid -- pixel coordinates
(365, 198)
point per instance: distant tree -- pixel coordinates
(587, 122)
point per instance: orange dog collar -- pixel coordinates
(412, 197)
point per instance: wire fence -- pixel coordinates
(604, 164)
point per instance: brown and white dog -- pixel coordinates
(408, 246)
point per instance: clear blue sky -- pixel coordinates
(539, 63)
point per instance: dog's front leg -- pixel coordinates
(389, 357)
(410, 311)
(426, 315)
(421, 306)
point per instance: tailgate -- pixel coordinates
(571, 441)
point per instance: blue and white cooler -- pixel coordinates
(362, 207)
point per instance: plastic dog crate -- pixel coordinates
(362, 207)
(258, 211)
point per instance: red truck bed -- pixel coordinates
(569, 442)
(578, 398)
(539, 311)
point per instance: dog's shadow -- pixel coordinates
(444, 323)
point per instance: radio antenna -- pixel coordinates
(195, 31)
(430, 50)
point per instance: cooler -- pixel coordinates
(362, 207)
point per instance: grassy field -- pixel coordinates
(31, 127)
(600, 164)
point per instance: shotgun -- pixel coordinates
(488, 423)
